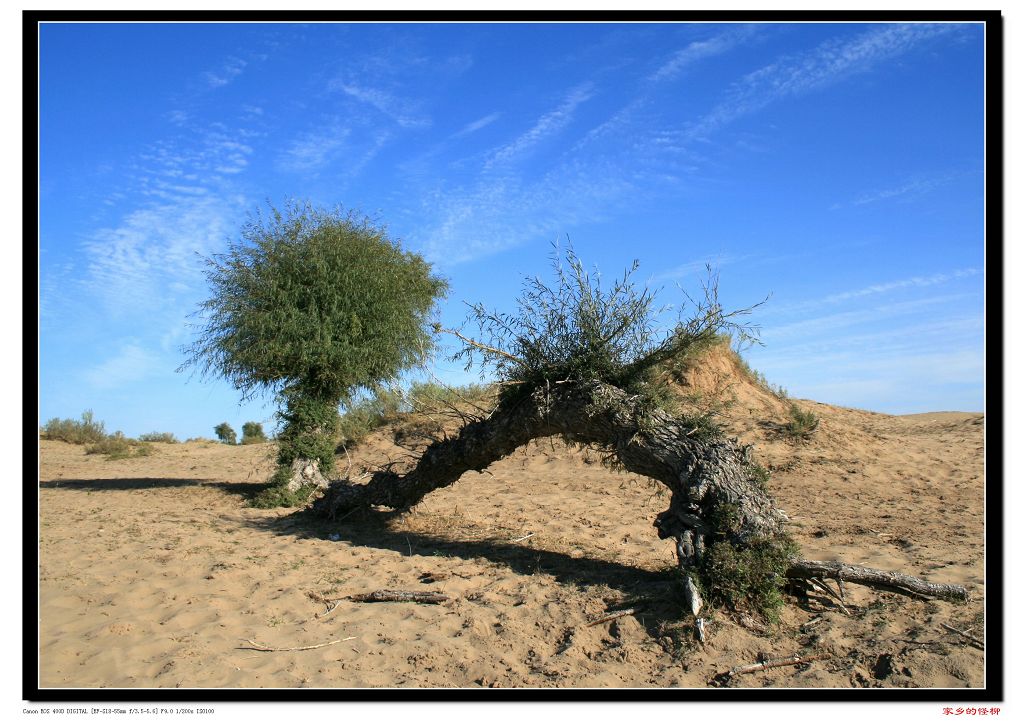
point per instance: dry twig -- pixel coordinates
(260, 648)
(610, 617)
(770, 663)
(965, 635)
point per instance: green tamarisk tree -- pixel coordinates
(313, 305)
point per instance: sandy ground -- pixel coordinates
(154, 572)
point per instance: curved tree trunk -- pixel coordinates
(714, 491)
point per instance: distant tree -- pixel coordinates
(252, 433)
(225, 433)
(313, 305)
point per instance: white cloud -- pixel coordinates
(699, 50)
(828, 63)
(400, 110)
(547, 125)
(228, 71)
(913, 188)
(131, 363)
(313, 150)
(476, 125)
(698, 267)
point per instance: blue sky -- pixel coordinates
(838, 168)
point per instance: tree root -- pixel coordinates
(876, 578)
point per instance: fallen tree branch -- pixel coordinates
(610, 617)
(770, 663)
(260, 648)
(876, 578)
(392, 595)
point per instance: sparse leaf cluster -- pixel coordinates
(575, 328)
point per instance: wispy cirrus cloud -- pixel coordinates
(546, 126)
(313, 150)
(403, 111)
(826, 64)
(185, 203)
(698, 50)
(877, 289)
(476, 125)
(912, 188)
(132, 362)
(225, 73)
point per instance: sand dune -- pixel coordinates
(155, 573)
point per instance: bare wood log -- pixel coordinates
(393, 595)
(701, 473)
(704, 475)
(876, 578)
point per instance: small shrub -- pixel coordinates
(753, 575)
(276, 494)
(85, 431)
(159, 437)
(225, 433)
(431, 393)
(370, 413)
(118, 446)
(252, 433)
(801, 423)
(759, 475)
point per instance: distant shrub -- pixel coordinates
(430, 392)
(159, 437)
(118, 446)
(225, 433)
(200, 440)
(365, 415)
(759, 379)
(85, 431)
(801, 423)
(252, 433)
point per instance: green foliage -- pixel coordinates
(314, 299)
(760, 380)
(369, 413)
(85, 431)
(159, 437)
(310, 429)
(433, 394)
(753, 575)
(313, 305)
(252, 433)
(577, 329)
(225, 433)
(759, 475)
(801, 423)
(276, 494)
(118, 446)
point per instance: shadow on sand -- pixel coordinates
(244, 489)
(655, 594)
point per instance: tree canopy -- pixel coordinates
(313, 304)
(326, 300)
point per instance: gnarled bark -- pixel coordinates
(703, 475)
(714, 492)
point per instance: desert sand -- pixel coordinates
(155, 573)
